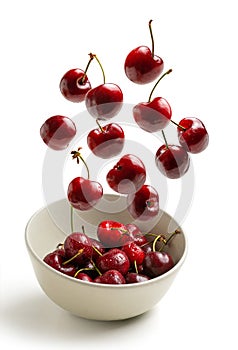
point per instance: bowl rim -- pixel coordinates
(102, 285)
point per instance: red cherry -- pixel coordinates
(104, 101)
(128, 175)
(141, 65)
(100, 248)
(57, 132)
(83, 194)
(157, 263)
(194, 138)
(135, 233)
(134, 253)
(111, 277)
(114, 259)
(78, 248)
(56, 261)
(172, 161)
(74, 85)
(133, 277)
(106, 141)
(112, 233)
(144, 204)
(83, 277)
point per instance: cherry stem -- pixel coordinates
(168, 72)
(169, 238)
(77, 155)
(152, 38)
(83, 269)
(155, 241)
(165, 140)
(86, 69)
(122, 230)
(179, 126)
(100, 127)
(73, 257)
(103, 73)
(135, 264)
(97, 251)
(96, 268)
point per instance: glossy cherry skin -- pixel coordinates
(157, 263)
(152, 116)
(108, 142)
(74, 85)
(141, 67)
(111, 277)
(144, 204)
(80, 243)
(195, 138)
(112, 233)
(83, 277)
(57, 132)
(133, 277)
(128, 175)
(172, 161)
(114, 259)
(83, 194)
(135, 233)
(99, 248)
(56, 261)
(104, 101)
(134, 253)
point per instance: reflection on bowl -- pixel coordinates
(49, 226)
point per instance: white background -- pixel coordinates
(40, 40)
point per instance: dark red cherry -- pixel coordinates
(135, 233)
(157, 263)
(98, 248)
(142, 66)
(133, 277)
(134, 252)
(104, 101)
(56, 261)
(83, 277)
(111, 277)
(172, 161)
(144, 204)
(114, 259)
(112, 233)
(128, 175)
(74, 85)
(57, 132)
(83, 194)
(107, 141)
(78, 248)
(192, 135)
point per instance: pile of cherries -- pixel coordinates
(121, 254)
(128, 175)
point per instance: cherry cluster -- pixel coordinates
(121, 254)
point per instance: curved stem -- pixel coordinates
(73, 257)
(88, 174)
(179, 126)
(103, 73)
(168, 72)
(81, 81)
(77, 155)
(165, 140)
(169, 238)
(152, 38)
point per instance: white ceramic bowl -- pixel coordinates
(49, 226)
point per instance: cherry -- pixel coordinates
(83, 277)
(135, 233)
(144, 204)
(172, 161)
(57, 132)
(157, 263)
(133, 277)
(98, 248)
(153, 115)
(110, 277)
(78, 248)
(107, 141)
(112, 233)
(56, 261)
(104, 101)
(192, 135)
(142, 66)
(134, 253)
(128, 175)
(114, 259)
(83, 194)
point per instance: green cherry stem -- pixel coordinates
(179, 126)
(152, 38)
(169, 238)
(100, 127)
(103, 73)
(81, 81)
(135, 265)
(73, 257)
(77, 155)
(162, 76)
(165, 140)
